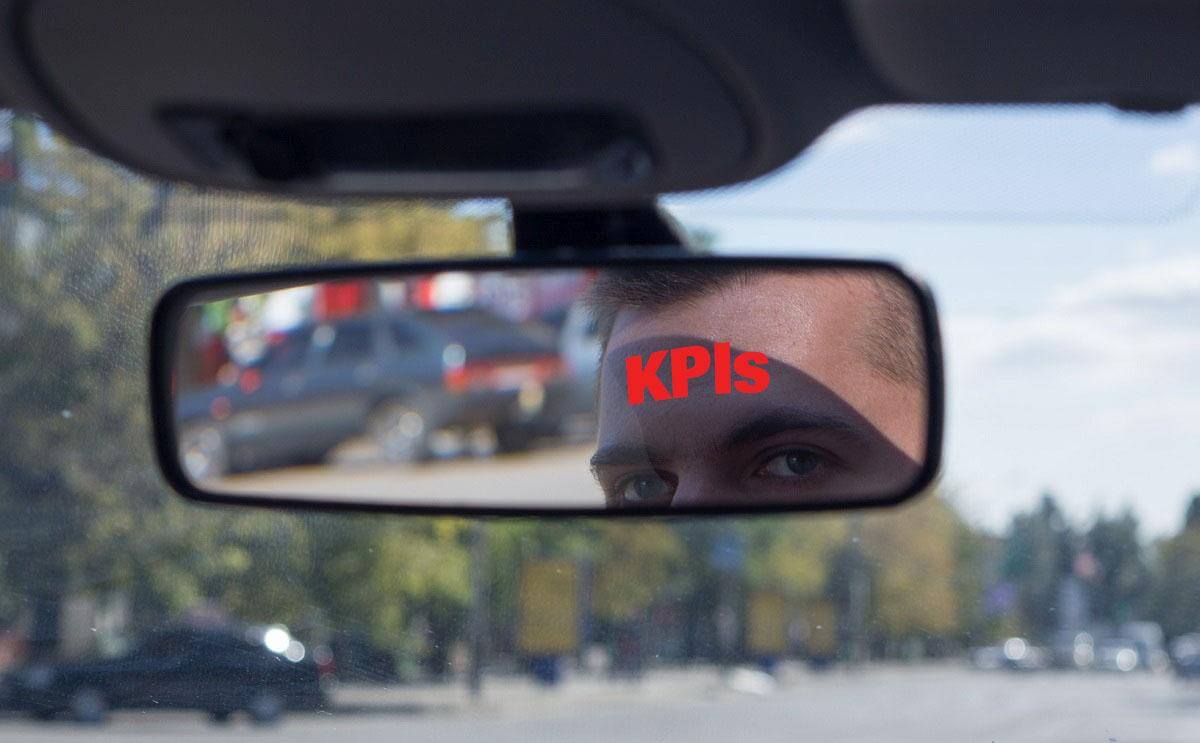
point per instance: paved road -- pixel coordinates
(543, 478)
(926, 705)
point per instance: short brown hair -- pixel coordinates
(894, 342)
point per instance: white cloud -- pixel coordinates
(1171, 283)
(1093, 394)
(1118, 326)
(1180, 158)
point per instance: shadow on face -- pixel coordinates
(793, 441)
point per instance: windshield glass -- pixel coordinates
(1046, 589)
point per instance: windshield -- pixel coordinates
(1046, 589)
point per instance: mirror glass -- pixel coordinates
(698, 385)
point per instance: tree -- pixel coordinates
(82, 508)
(792, 557)
(36, 337)
(1039, 553)
(633, 565)
(1175, 601)
(1118, 589)
(1191, 519)
(976, 571)
(1177, 594)
(912, 555)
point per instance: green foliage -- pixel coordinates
(974, 573)
(1191, 518)
(634, 564)
(81, 505)
(913, 557)
(1121, 581)
(1038, 555)
(792, 557)
(1176, 597)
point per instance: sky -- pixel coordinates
(1063, 247)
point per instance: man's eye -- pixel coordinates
(644, 488)
(792, 464)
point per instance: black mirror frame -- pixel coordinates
(181, 295)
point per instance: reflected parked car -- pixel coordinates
(398, 378)
(220, 671)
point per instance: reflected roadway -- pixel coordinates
(551, 477)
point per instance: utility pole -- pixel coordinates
(727, 556)
(477, 625)
(859, 594)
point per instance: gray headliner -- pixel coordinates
(727, 91)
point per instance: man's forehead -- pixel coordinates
(701, 422)
(769, 313)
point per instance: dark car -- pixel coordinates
(219, 671)
(356, 658)
(395, 377)
(1185, 656)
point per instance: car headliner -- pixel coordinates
(717, 92)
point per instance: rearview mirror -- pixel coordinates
(668, 385)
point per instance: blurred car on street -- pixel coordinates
(1185, 656)
(356, 659)
(261, 671)
(1150, 643)
(1014, 654)
(1117, 654)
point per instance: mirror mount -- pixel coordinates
(613, 230)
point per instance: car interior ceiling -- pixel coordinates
(678, 95)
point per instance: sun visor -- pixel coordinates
(456, 98)
(1137, 54)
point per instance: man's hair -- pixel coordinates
(892, 338)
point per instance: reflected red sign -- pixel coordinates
(745, 373)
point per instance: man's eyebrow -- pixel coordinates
(781, 422)
(625, 454)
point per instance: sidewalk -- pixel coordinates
(513, 693)
(519, 694)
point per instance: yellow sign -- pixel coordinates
(766, 624)
(549, 623)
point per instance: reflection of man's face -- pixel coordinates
(830, 423)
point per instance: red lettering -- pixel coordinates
(693, 362)
(722, 374)
(754, 379)
(682, 371)
(639, 379)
